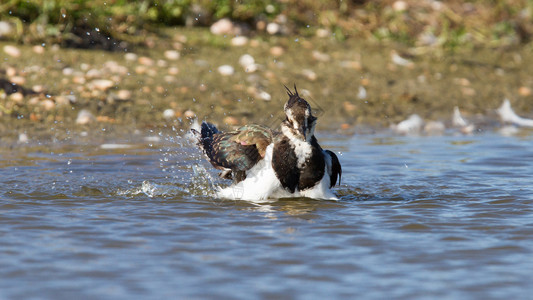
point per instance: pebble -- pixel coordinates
(17, 97)
(246, 60)
(38, 49)
(10, 71)
(434, 128)
(169, 113)
(23, 138)
(48, 104)
(277, 51)
(323, 32)
(361, 93)
(38, 88)
(273, 28)
(400, 6)
(239, 41)
(143, 60)
(189, 114)
(5, 28)
(172, 55)
(85, 117)
(319, 56)
(124, 95)
(222, 27)
(351, 64)
(93, 73)
(62, 100)
(79, 79)
(231, 121)
(12, 51)
(102, 84)
(524, 91)
(226, 70)
(309, 74)
(264, 96)
(68, 71)
(130, 56)
(18, 80)
(173, 71)
(251, 68)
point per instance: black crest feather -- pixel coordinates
(290, 93)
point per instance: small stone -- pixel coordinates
(173, 71)
(6, 29)
(277, 51)
(48, 104)
(169, 78)
(17, 97)
(143, 60)
(38, 88)
(309, 74)
(62, 100)
(251, 68)
(23, 138)
(169, 113)
(18, 80)
(140, 70)
(68, 71)
(79, 79)
(102, 84)
(12, 51)
(246, 60)
(273, 28)
(323, 33)
(38, 49)
(222, 27)
(345, 126)
(400, 6)
(124, 95)
(351, 64)
(189, 114)
(93, 73)
(434, 128)
(130, 56)
(319, 56)
(264, 96)
(239, 41)
(524, 91)
(10, 71)
(172, 55)
(85, 117)
(226, 70)
(231, 121)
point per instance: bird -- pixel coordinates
(264, 163)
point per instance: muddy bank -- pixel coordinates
(233, 81)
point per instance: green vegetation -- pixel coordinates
(437, 24)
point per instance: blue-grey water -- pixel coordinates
(423, 217)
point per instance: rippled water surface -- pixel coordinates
(446, 217)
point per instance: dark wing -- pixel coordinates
(237, 150)
(335, 170)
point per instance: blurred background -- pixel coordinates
(154, 63)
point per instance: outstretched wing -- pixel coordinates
(334, 168)
(238, 150)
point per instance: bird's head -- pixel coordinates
(299, 117)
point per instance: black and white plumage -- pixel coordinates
(273, 164)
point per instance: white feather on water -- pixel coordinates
(508, 115)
